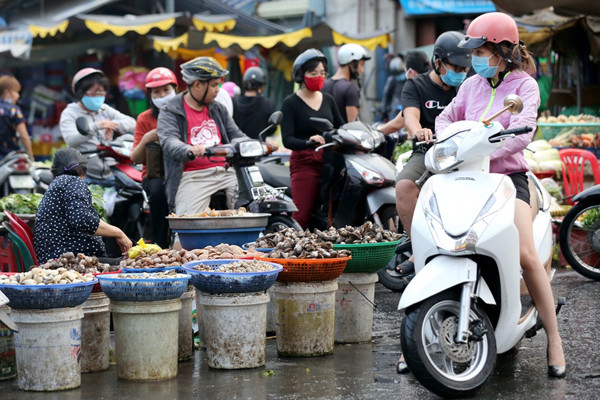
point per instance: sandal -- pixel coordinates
(406, 267)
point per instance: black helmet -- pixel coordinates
(446, 48)
(306, 56)
(202, 69)
(254, 75)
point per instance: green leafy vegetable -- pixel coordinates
(98, 200)
(21, 203)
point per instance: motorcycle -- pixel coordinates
(131, 202)
(16, 173)
(468, 302)
(364, 188)
(579, 235)
(254, 194)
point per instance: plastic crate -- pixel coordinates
(7, 257)
(548, 131)
(142, 289)
(230, 282)
(43, 297)
(368, 257)
(309, 270)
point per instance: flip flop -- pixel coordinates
(406, 267)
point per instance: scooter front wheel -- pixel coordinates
(447, 368)
(580, 238)
(280, 222)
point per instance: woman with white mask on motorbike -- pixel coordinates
(503, 66)
(161, 85)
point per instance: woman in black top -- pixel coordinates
(299, 133)
(66, 220)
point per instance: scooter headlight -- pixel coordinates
(464, 244)
(370, 176)
(251, 148)
(365, 139)
(443, 155)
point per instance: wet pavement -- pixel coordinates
(367, 371)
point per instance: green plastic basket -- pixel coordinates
(368, 257)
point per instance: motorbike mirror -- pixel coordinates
(321, 124)
(276, 118)
(514, 104)
(82, 126)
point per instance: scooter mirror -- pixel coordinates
(82, 126)
(321, 124)
(275, 118)
(514, 104)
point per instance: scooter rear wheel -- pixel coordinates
(580, 238)
(447, 368)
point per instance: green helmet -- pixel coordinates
(203, 69)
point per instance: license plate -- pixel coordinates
(21, 181)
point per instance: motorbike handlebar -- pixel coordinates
(517, 131)
(190, 155)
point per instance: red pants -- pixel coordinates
(305, 171)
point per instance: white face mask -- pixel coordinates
(162, 101)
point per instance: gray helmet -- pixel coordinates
(202, 69)
(303, 58)
(254, 75)
(446, 48)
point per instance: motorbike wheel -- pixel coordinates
(580, 238)
(439, 363)
(390, 220)
(280, 222)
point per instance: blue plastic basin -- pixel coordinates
(198, 239)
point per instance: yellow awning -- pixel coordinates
(187, 54)
(43, 31)
(168, 45)
(204, 25)
(121, 25)
(247, 42)
(370, 43)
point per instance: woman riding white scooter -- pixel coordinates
(503, 67)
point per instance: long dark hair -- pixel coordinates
(68, 161)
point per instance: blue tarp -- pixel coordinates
(426, 7)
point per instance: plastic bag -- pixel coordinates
(135, 251)
(110, 198)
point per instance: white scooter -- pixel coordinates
(468, 302)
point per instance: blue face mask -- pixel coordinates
(452, 78)
(92, 103)
(481, 65)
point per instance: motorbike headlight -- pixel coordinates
(370, 176)
(444, 155)
(464, 244)
(251, 148)
(365, 139)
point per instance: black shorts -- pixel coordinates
(521, 183)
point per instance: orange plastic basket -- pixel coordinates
(309, 269)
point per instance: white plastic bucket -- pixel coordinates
(304, 317)
(95, 333)
(48, 347)
(8, 359)
(234, 329)
(354, 307)
(146, 339)
(186, 335)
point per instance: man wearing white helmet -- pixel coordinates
(343, 86)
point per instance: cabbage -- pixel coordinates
(533, 165)
(539, 145)
(546, 155)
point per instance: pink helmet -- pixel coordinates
(495, 27)
(82, 74)
(159, 77)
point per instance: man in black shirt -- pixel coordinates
(343, 86)
(251, 111)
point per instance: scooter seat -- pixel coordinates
(276, 175)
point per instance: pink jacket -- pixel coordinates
(476, 100)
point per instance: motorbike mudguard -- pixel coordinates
(442, 273)
(380, 197)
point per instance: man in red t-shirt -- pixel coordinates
(193, 121)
